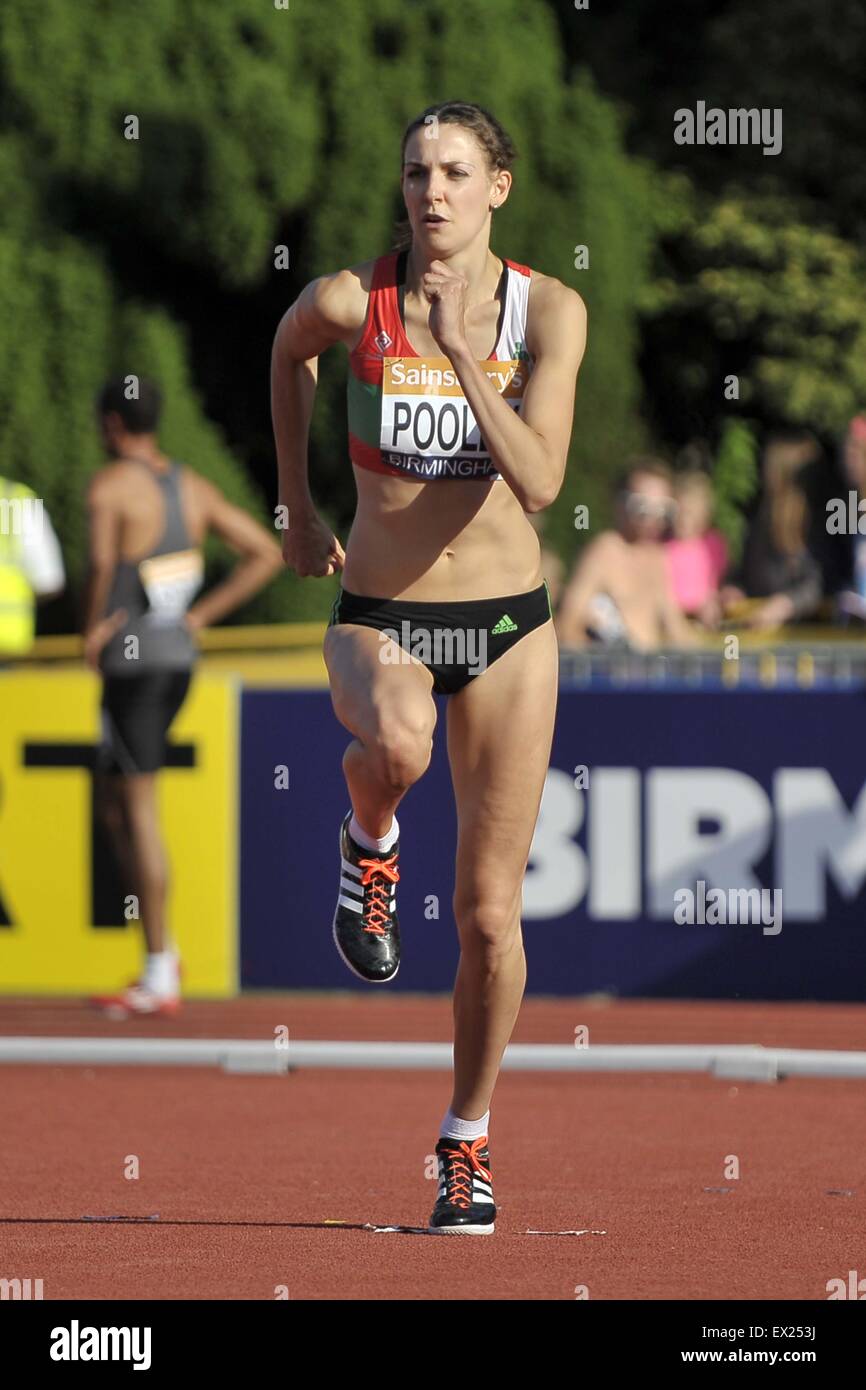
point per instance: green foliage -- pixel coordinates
(735, 478)
(802, 58)
(810, 68)
(749, 290)
(759, 270)
(259, 126)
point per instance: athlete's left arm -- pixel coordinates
(259, 560)
(530, 450)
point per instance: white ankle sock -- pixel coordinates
(453, 1127)
(366, 841)
(161, 973)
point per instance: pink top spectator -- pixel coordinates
(696, 567)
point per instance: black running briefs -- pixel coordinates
(455, 641)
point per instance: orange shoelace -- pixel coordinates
(376, 914)
(459, 1178)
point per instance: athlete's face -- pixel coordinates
(449, 188)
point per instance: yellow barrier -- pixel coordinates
(265, 654)
(48, 941)
(302, 642)
(271, 637)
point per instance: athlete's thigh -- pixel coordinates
(370, 692)
(500, 729)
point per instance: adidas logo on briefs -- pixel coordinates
(505, 624)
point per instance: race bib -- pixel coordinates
(170, 582)
(427, 427)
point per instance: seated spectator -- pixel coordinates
(777, 566)
(697, 556)
(619, 592)
(851, 598)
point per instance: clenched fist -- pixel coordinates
(446, 290)
(311, 549)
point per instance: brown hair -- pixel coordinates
(496, 143)
(643, 463)
(785, 505)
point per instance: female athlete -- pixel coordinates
(462, 370)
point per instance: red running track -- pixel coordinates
(245, 1172)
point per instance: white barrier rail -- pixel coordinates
(729, 1061)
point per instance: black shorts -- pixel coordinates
(137, 712)
(455, 641)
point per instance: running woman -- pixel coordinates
(148, 518)
(462, 370)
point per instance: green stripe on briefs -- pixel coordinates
(365, 410)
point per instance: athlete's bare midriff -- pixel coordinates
(443, 540)
(449, 540)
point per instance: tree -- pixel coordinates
(749, 291)
(155, 156)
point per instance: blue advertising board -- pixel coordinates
(664, 812)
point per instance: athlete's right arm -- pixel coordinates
(330, 310)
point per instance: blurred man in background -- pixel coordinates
(148, 518)
(31, 566)
(620, 591)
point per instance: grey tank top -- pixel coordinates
(156, 592)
